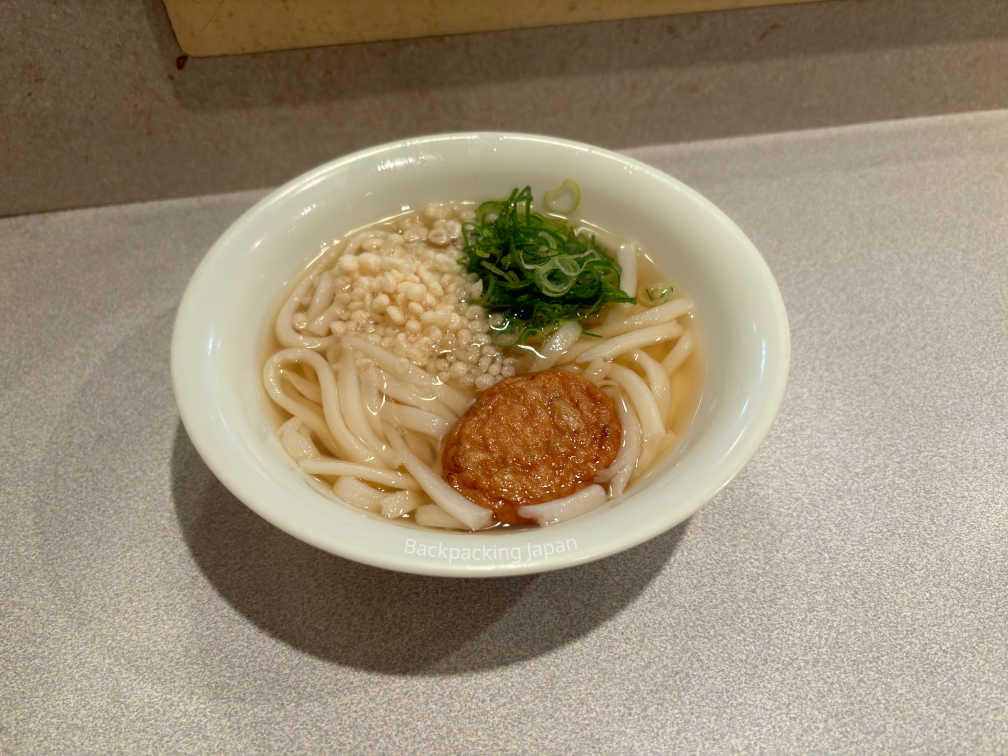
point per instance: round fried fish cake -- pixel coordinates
(530, 439)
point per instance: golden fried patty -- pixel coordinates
(530, 439)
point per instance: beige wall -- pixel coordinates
(94, 110)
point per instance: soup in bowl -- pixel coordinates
(479, 354)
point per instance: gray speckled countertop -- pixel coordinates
(848, 592)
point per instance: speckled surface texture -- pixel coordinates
(95, 111)
(847, 593)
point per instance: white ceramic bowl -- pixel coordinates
(216, 361)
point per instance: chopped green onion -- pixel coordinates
(658, 293)
(535, 270)
(564, 199)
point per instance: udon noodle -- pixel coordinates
(378, 349)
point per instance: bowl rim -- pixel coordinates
(745, 447)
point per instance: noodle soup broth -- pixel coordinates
(380, 346)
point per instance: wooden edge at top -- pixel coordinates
(233, 27)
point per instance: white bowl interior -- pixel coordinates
(216, 349)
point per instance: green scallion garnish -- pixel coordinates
(535, 270)
(658, 293)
